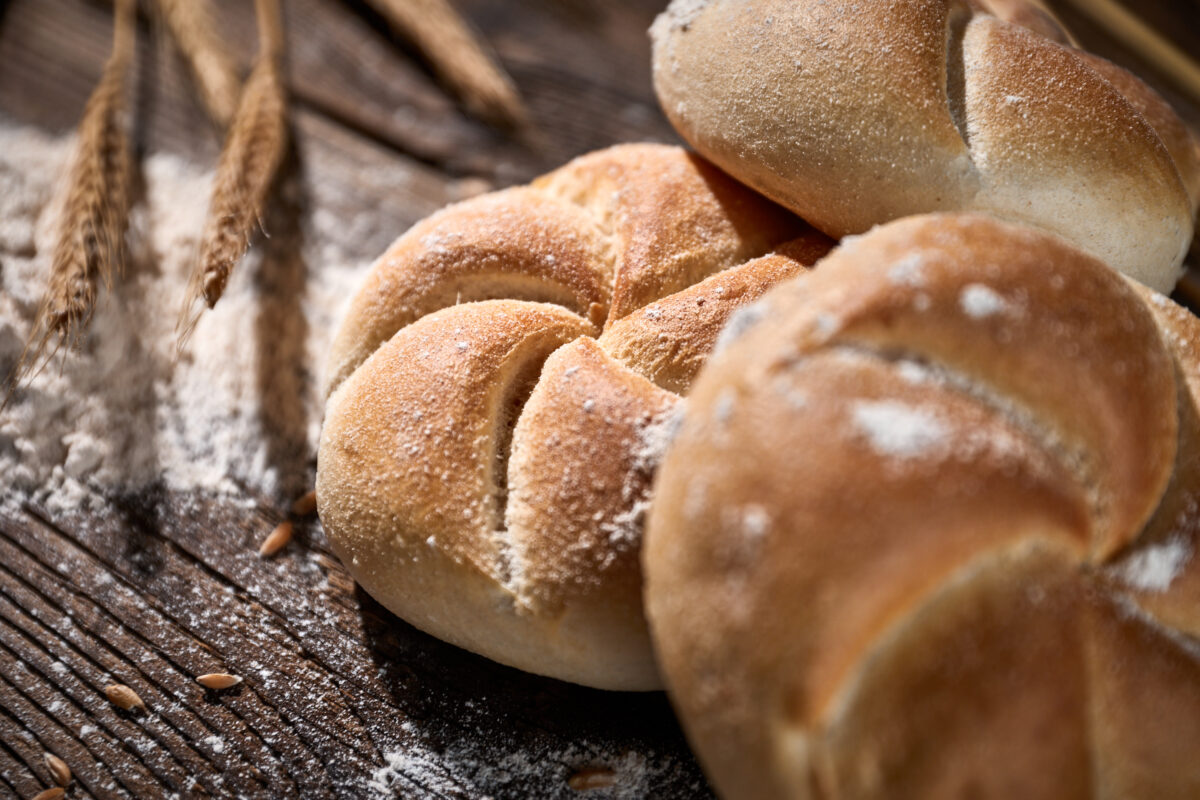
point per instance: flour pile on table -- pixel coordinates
(416, 769)
(240, 410)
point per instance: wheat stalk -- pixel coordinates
(191, 26)
(95, 208)
(96, 212)
(459, 56)
(253, 151)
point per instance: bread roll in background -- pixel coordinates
(930, 529)
(853, 114)
(500, 390)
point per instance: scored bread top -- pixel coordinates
(1183, 146)
(602, 236)
(500, 391)
(928, 529)
(853, 114)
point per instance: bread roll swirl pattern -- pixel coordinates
(929, 529)
(497, 388)
(853, 114)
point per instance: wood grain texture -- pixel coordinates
(159, 587)
(143, 595)
(582, 65)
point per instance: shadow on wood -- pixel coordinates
(281, 330)
(541, 730)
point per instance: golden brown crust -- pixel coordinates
(485, 467)
(669, 340)
(1003, 705)
(1145, 708)
(421, 409)
(713, 224)
(730, 77)
(887, 545)
(853, 114)
(1179, 140)
(1099, 175)
(1007, 325)
(516, 244)
(579, 483)
(1172, 537)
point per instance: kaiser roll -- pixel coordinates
(499, 390)
(856, 113)
(930, 529)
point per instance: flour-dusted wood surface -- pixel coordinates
(340, 698)
(156, 587)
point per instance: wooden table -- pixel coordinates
(341, 699)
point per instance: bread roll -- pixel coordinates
(853, 114)
(486, 460)
(930, 529)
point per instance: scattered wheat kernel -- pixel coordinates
(305, 504)
(218, 680)
(124, 697)
(276, 540)
(592, 778)
(59, 770)
(50, 794)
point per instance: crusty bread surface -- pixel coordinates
(853, 114)
(500, 391)
(929, 529)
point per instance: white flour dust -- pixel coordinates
(1155, 567)
(239, 411)
(897, 429)
(417, 769)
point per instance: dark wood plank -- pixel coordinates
(150, 598)
(583, 67)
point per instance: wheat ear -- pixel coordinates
(253, 151)
(95, 208)
(190, 24)
(459, 56)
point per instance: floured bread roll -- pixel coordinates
(856, 113)
(485, 462)
(930, 529)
